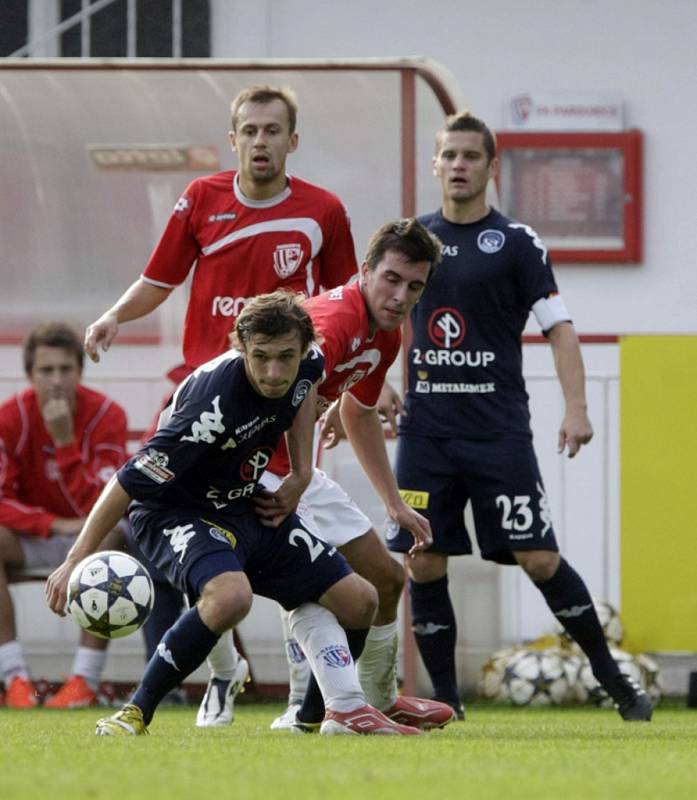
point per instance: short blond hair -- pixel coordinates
(263, 93)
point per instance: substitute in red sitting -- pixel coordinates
(59, 444)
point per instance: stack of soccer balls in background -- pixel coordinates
(110, 594)
(554, 671)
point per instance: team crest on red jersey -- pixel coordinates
(287, 259)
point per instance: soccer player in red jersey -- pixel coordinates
(59, 444)
(359, 330)
(247, 232)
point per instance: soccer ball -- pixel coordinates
(491, 678)
(652, 680)
(536, 678)
(110, 594)
(588, 690)
(610, 621)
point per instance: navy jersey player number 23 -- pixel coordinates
(468, 327)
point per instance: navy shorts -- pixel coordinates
(502, 479)
(287, 564)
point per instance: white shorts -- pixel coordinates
(49, 552)
(326, 509)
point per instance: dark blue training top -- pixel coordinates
(215, 438)
(465, 361)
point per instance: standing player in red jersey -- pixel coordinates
(247, 232)
(359, 330)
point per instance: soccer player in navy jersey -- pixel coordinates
(191, 494)
(466, 431)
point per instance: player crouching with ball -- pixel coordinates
(191, 492)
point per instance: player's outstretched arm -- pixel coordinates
(139, 300)
(104, 516)
(364, 431)
(576, 429)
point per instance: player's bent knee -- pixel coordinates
(353, 600)
(390, 584)
(428, 567)
(225, 601)
(540, 565)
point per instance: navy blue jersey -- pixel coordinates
(465, 360)
(215, 438)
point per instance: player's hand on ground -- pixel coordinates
(274, 507)
(419, 526)
(389, 406)
(58, 418)
(57, 588)
(576, 430)
(331, 428)
(99, 335)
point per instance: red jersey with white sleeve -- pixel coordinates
(40, 482)
(354, 361)
(300, 240)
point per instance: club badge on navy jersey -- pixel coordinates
(301, 391)
(490, 241)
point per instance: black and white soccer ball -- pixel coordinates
(588, 690)
(652, 680)
(110, 594)
(491, 677)
(610, 621)
(536, 678)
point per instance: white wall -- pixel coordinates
(639, 48)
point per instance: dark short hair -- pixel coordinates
(466, 121)
(408, 237)
(275, 314)
(263, 94)
(52, 334)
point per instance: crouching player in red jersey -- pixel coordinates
(359, 329)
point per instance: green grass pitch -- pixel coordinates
(499, 752)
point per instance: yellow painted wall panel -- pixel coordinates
(659, 491)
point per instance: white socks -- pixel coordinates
(324, 643)
(89, 664)
(298, 665)
(12, 663)
(377, 666)
(223, 658)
